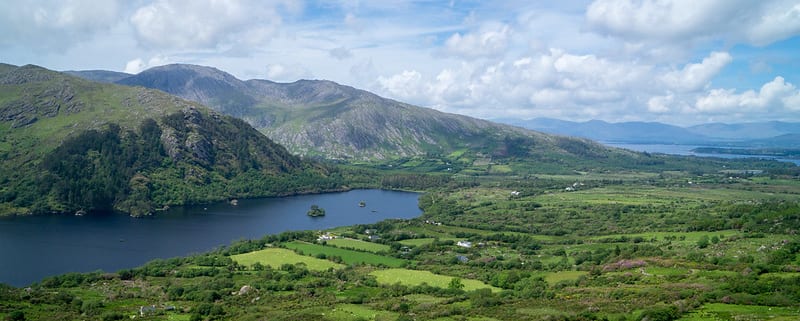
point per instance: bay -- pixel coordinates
(686, 150)
(32, 248)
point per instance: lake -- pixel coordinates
(32, 248)
(686, 150)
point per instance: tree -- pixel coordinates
(702, 242)
(316, 211)
(455, 284)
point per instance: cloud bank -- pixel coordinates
(675, 61)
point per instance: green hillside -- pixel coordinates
(69, 145)
(324, 119)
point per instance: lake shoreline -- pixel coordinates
(47, 245)
(168, 206)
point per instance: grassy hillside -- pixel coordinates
(69, 145)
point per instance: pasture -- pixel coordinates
(414, 277)
(721, 311)
(276, 257)
(347, 256)
(347, 243)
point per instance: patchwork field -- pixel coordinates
(276, 257)
(347, 256)
(358, 245)
(413, 277)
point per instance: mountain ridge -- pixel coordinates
(320, 118)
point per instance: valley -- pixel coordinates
(635, 246)
(515, 224)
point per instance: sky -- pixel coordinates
(682, 62)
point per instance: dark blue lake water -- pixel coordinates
(687, 150)
(32, 248)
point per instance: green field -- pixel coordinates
(347, 256)
(555, 277)
(276, 257)
(346, 312)
(720, 311)
(358, 245)
(414, 277)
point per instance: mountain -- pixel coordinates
(70, 144)
(746, 131)
(785, 140)
(98, 75)
(629, 132)
(760, 134)
(318, 118)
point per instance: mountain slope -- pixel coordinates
(70, 144)
(324, 119)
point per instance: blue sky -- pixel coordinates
(682, 62)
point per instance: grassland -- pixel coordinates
(348, 243)
(414, 278)
(721, 311)
(347, 256)
(345, 312)
(276, 257)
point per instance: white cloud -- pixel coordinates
(55, 24)
(490, 40)
(775, 23)
(697, 76)
(288, 73)
(538, 84)
(207, 24)
(407, 85)
(775, 95)
(753, 22)
(660, 104)
(138, 65)
(615, 59)
(135, 66)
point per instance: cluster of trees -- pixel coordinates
(93, 170)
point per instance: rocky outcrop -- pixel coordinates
(44, 104)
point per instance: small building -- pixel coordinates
(462, 259)
(374, 237)
(146, 309)
(326, 237)
(466, 244)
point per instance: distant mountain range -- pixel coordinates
(99, 75)
(72, 145)
(764, 134)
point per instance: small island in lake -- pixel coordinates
(316, 211)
